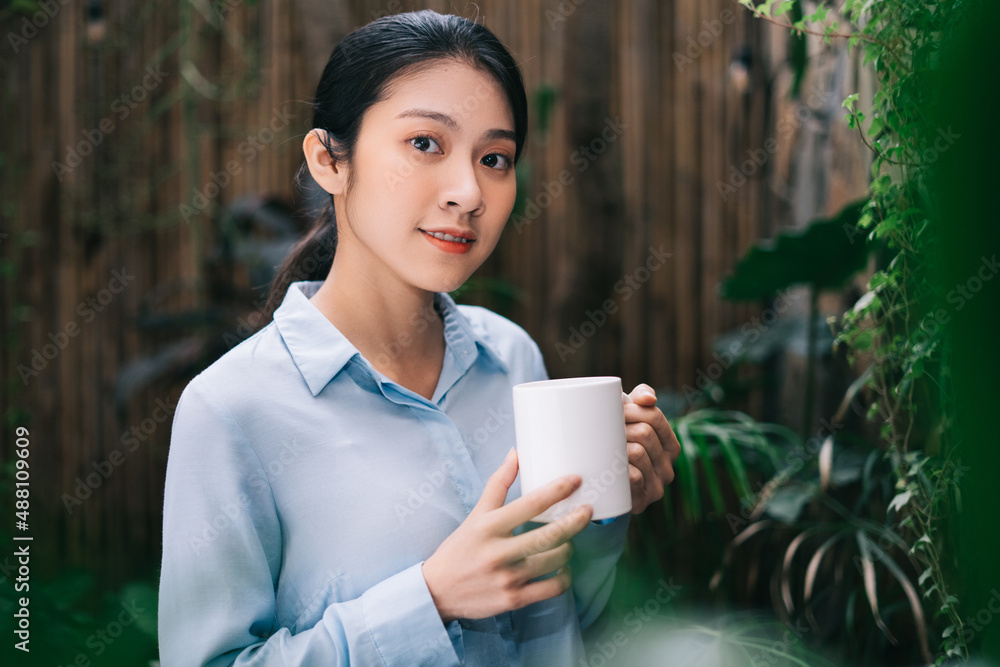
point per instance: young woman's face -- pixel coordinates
(432, 179)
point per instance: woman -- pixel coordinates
(324, 499)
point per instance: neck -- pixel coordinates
(394, 326)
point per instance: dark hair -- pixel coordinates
(356, 76)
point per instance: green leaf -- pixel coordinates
(830, 30)
(876, 126)
(871, 586)
(784, 7)
(766, 7)
(900, 501)
(820, 255)
(734, 464)
(687, 477)
(867, 549)
(788, 502)
(871, 53)
(819, 14)
(923, 543)
(708, 468)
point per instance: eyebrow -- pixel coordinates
(444, 119)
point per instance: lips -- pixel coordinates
(455, 241)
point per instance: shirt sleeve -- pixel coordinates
(222, 551)
(596, 550)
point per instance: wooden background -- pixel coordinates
(233, 88)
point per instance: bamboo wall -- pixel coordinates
(674, 124)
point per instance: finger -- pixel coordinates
(528, 506)
(643, 395)
(652, 473)
(640, 413)
(661, 449)
(671, 445)
(638, 459)
(654, 417)
(644, 482)
(496, 487)
(551, 535)
(666, 472)
(547, 562)
(644, 434)
(543, 590)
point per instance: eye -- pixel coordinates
(497, 161)
(425, 144)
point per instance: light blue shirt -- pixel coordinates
(305, 489)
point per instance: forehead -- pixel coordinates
(470, 96)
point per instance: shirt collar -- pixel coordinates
(320, 351)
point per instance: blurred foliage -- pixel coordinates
(253, 235)
(823, 255)
(824, 537)
(963, 185)
(817, 533)
(71, 620)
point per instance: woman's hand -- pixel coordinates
(652, 447)
(482, 569)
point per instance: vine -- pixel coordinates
(894, 326)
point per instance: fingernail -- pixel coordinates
(510, 455)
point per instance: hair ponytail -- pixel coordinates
(310, 259)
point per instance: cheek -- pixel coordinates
(387, 168)
(391, 187)
(396, 175)
(501, 197)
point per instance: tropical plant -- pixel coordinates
(830, 554)
(712, 436)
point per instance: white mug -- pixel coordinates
(574, 426)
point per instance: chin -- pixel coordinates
(450, 286)
(448, 283)
(445, 279)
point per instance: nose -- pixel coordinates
(460, 188)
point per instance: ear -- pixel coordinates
(330, 175)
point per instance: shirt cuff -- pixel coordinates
(455, 632)
(604, 522)
(405, 625)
